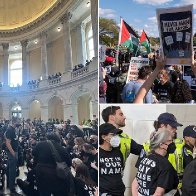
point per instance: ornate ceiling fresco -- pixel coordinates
(18, 13)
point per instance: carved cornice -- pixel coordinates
(35, 24)
(66, 17)
(24, 43)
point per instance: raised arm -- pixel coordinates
(148, 83)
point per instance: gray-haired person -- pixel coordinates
(156, 175)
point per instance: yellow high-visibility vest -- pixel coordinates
(125, 145)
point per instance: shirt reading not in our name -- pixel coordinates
(110, 172)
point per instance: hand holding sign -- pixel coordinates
(175, 27)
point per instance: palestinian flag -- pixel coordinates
(144, 40)
(128, 37)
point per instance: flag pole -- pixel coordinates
(117, 53)
(137, 49)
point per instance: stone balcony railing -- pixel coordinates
(80, 71)
(66, 78)
(54, 81)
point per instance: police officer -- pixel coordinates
(189, 135)
(189, 180)
(115, 116)
(175, 156)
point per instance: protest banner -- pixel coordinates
(176, 34)
(102, 50)
(135, 64)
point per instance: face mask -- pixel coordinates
(115, 141)
(171, 148)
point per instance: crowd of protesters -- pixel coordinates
(25, 143)
(168, 86)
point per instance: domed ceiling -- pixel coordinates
(18, 13)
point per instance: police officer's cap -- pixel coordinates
(190, 131)
(168, 118)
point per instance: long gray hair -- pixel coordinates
(158, 137)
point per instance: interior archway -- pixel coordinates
(84, 108)
(55, 108)
(16, 110)
(35, 110)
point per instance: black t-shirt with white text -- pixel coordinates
(11, 135)
(156, 171)
(164, 91)
(110, 170)
(83, 189)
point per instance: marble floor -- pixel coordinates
(22, 176)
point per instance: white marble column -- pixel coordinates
(44, 62)
(81, 43)
(67, 41)
(25, 112)
(5, 63)
(75, 113)
(94, 18)
(44, 113)
(94, 108)
(28, 68)
(6, 111)
(24, 62)
(68, 111)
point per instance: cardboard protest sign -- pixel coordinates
(102, 50)
(135, 64)
(176, 34)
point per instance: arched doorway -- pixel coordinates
(34, 110)
(16, 111)
(55, 108)
(1, 111)
(84, 108)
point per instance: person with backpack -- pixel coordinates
(84, 184)
(46, 176)
(131, 89)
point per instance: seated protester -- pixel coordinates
(76, 162)
(93, 140)
(131, 89)
(2, 172)
(164, 89)
(156, 175)
(110, 162)
(92, 162)
(77, 149)
(85, 186)
(28, 185)
(47, 180)
(189, 180)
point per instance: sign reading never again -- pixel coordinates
(175, 29)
